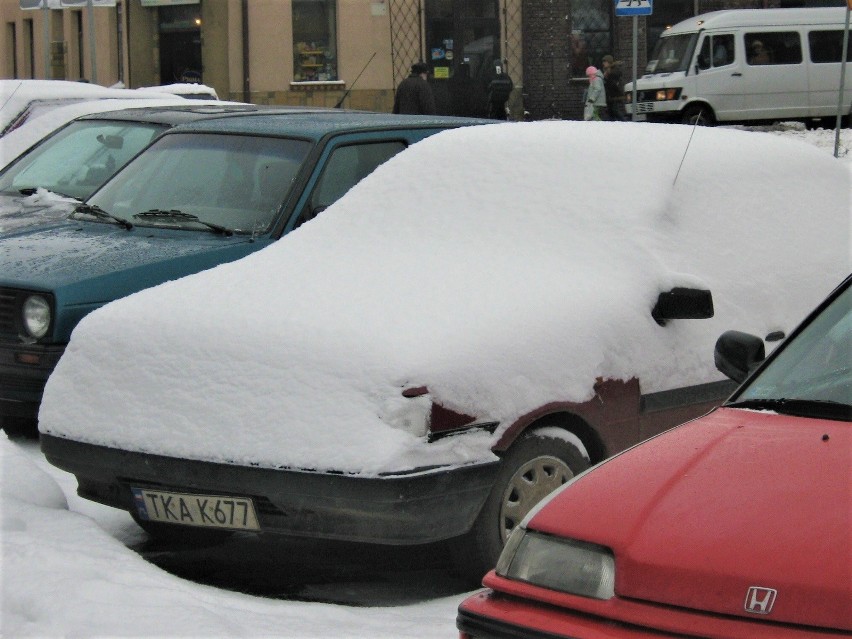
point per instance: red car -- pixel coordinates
(734, 525)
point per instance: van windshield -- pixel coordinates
(672, 53)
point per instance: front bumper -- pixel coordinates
(24, 370)
(399, 509)
(492, 614)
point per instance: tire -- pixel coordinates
(530, 470)
(701, 115)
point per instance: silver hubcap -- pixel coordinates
(529, 485)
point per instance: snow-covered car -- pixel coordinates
(203, 193)
(732, 526)
(471, 326)
(22, 101)
(46, 182)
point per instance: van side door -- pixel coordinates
(825, 51)
(718, 78)
(775, 74)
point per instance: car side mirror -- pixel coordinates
(683, 303)
(111, 141)
(737, 354)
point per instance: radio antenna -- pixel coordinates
(340, 102)
(697, 118)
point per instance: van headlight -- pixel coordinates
(35, 313)
(557, 563)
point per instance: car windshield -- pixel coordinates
(672, 53)
(815, 365)
(194, 180)
(79, 158)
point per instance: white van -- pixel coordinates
(747, 65)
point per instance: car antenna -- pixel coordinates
(340, 102)
(688, 142)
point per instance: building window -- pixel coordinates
(591, 34)
(314, 40)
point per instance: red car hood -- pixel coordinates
(738, 499)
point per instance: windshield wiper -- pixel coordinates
(174, 214)
(98, 212)
(817, 408)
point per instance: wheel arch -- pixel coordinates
(563, 416)
(698, 105)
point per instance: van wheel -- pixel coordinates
(530, 470)
(698, 115)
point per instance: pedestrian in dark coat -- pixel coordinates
(499, 90)
(414, 95)
(614, 86)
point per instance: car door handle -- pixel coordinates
(737, 75)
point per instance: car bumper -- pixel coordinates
(24, 370)
(400, 509)
(490, 614)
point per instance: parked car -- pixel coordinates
(470, 327)
(735, 525)
(46, 182)
(203, 193)
(22, 101)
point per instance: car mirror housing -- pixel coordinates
(736, 354)
(683, 303)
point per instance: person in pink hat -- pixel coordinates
(595, 103)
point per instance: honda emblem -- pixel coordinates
(760, 600)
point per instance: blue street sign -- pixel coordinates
(634, 7)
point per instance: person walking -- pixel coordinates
(595, 107)
(414, 95)
(614, 88)
(499, 90)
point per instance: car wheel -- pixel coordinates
(172, 533)
(531, 469)
(700, 115)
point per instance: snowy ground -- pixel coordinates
(72, 568)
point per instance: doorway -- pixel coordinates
(180, 44)
(462, 43)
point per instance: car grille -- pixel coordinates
(21, 384)
(645, 107)
(7, 311)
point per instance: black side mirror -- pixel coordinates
(683, 303)
(737, 354)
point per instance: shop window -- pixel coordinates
(591, 34)
(314, 40)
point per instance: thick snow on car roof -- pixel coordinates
(500, 266)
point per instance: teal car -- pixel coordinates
(204, 193)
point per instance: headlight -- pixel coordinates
(566, 565)
(408, 413)
(664, 95)
(36, 316)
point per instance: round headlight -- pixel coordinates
(36, 313)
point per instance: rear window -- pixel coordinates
(827, 46)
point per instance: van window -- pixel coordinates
(716, 51)
(773, 47)
(827, 46)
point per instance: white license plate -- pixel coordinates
(206, 511)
